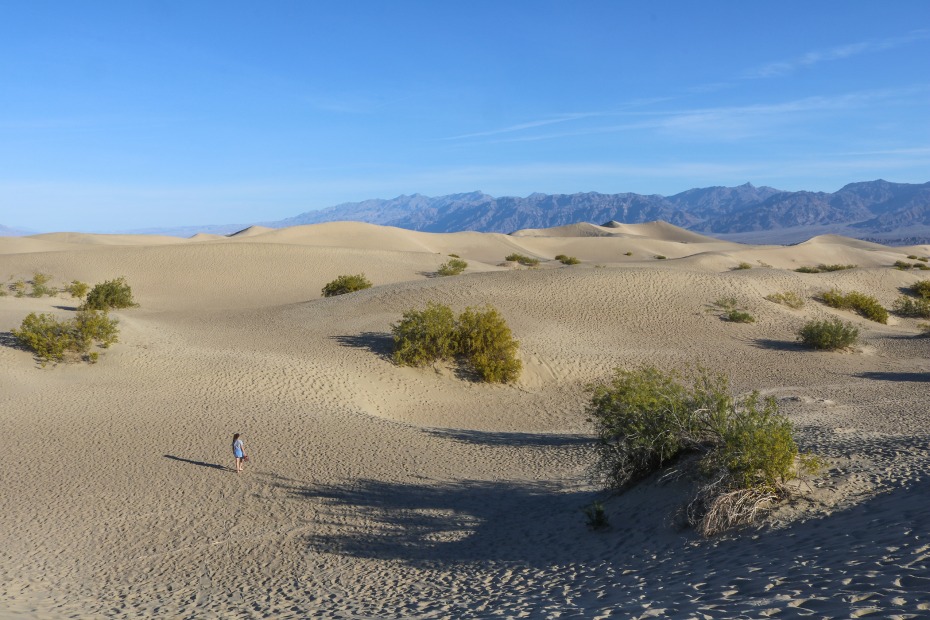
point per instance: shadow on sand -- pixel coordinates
(199, 463)
(914, 377)
(379, 343)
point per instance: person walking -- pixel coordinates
(238, 452)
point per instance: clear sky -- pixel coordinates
(121, 115)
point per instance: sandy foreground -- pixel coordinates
(377, 491)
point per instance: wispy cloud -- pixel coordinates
(562, 118)
(785, 67)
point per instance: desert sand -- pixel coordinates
(376, 491)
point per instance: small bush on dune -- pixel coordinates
(51, 339)
(827, 268)
(18, 288)
(807, 270)
(911, 307)
(346, 284)
(454, 256)
(527, 261)
(487, 343)
(646, 418)
(788, 298)
(661, 257)
(921, 288)
(922, 267)
(40, 287)
(425, 336)
(596, 516)
(567, 260)
(110, 294)
(829, 335)
(863, 304)
(452, 267)
(742, 266)
(902, 265)
(77, 289)
(738, 316)
(628, 254)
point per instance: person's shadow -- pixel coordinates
(200, 463)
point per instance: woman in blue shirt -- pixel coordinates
(238, 452)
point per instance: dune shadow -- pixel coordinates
(199, 463)
(913, 377)
(517, 440)
(778, 345)
(379, 343)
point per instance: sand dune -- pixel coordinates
(377, 491)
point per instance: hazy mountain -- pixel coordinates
(7, 231)
(875, 210)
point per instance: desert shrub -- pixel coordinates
(743, 265)
(77, 289)
(725, 303)
(346, 284)
(738, 316)
(567, 260)
(661, 256)
(922, 288)
(645, 419)
(828, 335)
(863, 304)
(527, 261)
(923, 259)
(806, 269)
(596, 516)
(452, 267)
(487, 344)
(18, 288)
(40, 287)
(909, 306)
(924, 328)
(110, 294)
(826, 268)
(454, 256)
(628, 254)
(50, 339)
(788, 298)
(922, 267)
(902, 265)
(425, 336)
(912, 257)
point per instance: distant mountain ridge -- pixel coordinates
(889, 213)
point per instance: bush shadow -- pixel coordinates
(8, 340)
(379, 343)
(778, 345)
(516, 440)
(912, 377)
(67, 308)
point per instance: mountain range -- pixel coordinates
(889, 213)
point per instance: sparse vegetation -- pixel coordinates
(645, 419)
(480, 339)
(628, 254)
(567, 260)
(725, 303)
(902, 265)
(452, 267)
(824, 268)
(596, 516)
(77, 289)
(742, 265)
(863, 304)
(346, 284)
(828, 335)
(40, 287)
(738, 316)
(912, 307)
(912, 257)
(922, 288)
(661, 256)
(18, 288)
(788, 298)
(454, 256)
(51, 339)
(923, 259)
(110, 294)
(527, 261)
(922, 267)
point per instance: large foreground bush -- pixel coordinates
(479, 338)
(346, 284)
(745, 450)
(110, 294)
(52, 339)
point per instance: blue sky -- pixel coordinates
(121, 115)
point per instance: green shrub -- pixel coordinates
(912, 256)
(828, 335)
(77, 289)
(725, 303)
(738, 316)
(863, 304)
(628, 254)
(807, 270)
(480, 339)
(346, 284)
(110, 294)
(902, 265)
(923, 259)
(452, 267)
(50, 339)
(909, 306)
(567, 260)
(486, 342)
(922, 288)
(743, 265)
(922, 267)
(527, 261)
(596, 516)
(661, 256)
(19, 288)
(788, 298)
(454, 256)
(40, 286)
(425, 336)
(645, 419)
(823, 267)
